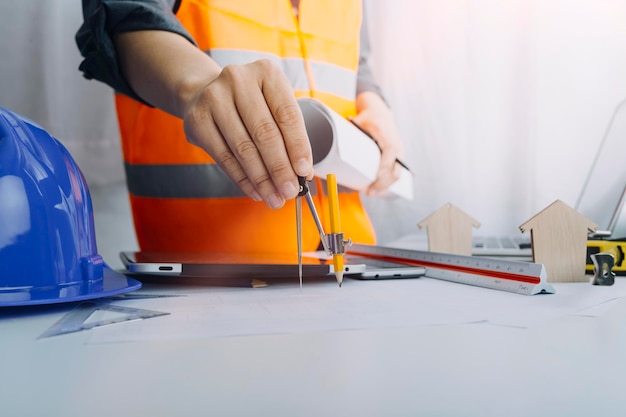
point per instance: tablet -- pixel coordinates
(228, 265)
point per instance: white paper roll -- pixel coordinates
(342, 149)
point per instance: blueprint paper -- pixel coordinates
(359, 305)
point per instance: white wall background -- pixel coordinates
(39, 79)
(501, 104)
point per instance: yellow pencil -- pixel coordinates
(335, 223)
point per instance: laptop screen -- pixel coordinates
(604, 187)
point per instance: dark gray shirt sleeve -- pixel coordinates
(365, 78)
(103, 18)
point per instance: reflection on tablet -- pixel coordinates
(224, 265)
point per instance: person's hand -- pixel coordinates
(248, 120)
(244, 116)
(376, 118)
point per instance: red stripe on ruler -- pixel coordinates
(465, 269)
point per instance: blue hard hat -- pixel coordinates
(48, 248)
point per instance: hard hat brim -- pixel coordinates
(113, 283)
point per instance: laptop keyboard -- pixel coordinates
(501, 242)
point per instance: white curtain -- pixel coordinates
(501, 103)
(39, 79)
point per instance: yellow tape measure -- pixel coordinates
(612, 247)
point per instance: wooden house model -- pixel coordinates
(559, 241)
(449, 230)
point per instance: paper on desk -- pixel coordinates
(322, 307)
(340, 148)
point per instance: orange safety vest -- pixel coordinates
(181, 200)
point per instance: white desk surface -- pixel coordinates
(563, 362)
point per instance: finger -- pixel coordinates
(287, 114)
(266, 138)
(384, 180)
(246, 151)
(388, 169)
(275, 124)
(202, 130)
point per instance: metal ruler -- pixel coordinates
(498, 274)
(77, 319)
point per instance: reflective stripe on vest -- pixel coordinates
(180, 181)
(187, 181)
(328, 78)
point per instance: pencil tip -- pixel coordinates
(339, 276)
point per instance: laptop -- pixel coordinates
(601, 198)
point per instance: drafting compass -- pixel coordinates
(333, 243)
